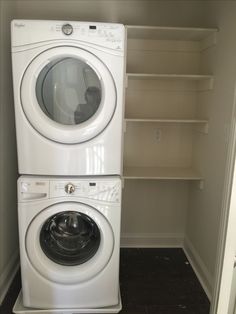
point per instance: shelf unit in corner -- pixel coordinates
(164, 82)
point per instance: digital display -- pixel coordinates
(92, 184)
(92, 27)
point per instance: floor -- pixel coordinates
(153, 281)
(160, 281)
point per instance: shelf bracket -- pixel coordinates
(199, 185)
(122, 182)
(206, 85)
(209, 41)
(124, 126)
(126, 81)
(202, 128)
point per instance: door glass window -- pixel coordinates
(68, 91)
(70, 238)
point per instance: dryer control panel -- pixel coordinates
(106, 189)
(107, 35)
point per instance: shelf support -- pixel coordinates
(209, 41)
(206, 85)
(126, 81)
(199, 185)
(124, 126)
(123, 182)
(202, 128)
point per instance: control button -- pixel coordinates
(67, 29)
(70, 188)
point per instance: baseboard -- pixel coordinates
(199, 267)
(143, 240)
(8, 275)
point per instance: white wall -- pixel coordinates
(154, 213)
(161, 12)
(210, 151)
(8, 163)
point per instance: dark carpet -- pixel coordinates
(160, 281)
(153, 281)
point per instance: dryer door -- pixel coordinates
(69, 242)
(68, 95)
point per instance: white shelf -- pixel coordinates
(202, 82)
(161, 173)
(154, 76)
(194, 121)
(169, 33)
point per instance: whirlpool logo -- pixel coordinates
(19, 25)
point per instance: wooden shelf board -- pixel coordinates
(169, 33)
(161, 173)
(167, 120)
(154, 76)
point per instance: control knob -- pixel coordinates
(67, 29)
(70, 188)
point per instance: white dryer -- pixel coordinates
(68, 82)
(69, 241)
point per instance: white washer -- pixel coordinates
(69, 241)
(68, 82)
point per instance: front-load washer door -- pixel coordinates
(69, 242)
(68, 95)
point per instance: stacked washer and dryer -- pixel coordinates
(69, 91)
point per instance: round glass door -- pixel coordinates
(70, 238)
(69, 242)
(68, 95)
(68, 91)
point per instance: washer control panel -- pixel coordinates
(100, 189)
(107, 191)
